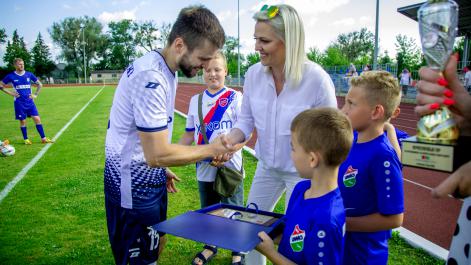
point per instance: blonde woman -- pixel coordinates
(278, 88)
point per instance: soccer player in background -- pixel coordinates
(24, 99)
(138, 142)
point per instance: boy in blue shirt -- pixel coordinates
(370, 179)
(315, 219)
(24, 98)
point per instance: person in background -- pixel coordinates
(405, 80)
(220, 108)
(24, 99)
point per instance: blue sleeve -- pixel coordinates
(387, 175)
(33, 77)
(324, 245)
(7, 79)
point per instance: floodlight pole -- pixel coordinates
(82, 27)
(375, 56)
(238, 45)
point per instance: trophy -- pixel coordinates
(435, 146)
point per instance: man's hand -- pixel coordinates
(171, 179)
(15, 94)
(33, 96)
(222, 145)
(218, 161)
(458, 184)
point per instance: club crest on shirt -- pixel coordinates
(223, 102)
(296, 240)
(350, 177)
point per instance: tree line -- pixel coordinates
(83, 40)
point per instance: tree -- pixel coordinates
(41, 62)
(230, 52)
(68, 35)
(315, 55)
(3, 36)
(356, 45)
(407, 53)
(384, 58)
(252, 58)
(121, 46)
(17, 49)
(149, 36)
(334, 56)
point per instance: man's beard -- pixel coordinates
(186, 67)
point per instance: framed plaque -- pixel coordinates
(225, 226)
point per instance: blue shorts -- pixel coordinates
(132, 233)
(24, 110)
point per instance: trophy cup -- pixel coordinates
(435, 146)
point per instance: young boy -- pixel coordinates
(220, 109)
(370, 179)
(315, 218)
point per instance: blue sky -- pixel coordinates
(323, 19)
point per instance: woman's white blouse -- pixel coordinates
(271, 115)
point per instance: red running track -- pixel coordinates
(430, 218)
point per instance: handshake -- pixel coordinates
(225, 145)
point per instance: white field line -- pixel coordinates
(409, 236)
(31, 163)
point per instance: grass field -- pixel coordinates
(55, 215)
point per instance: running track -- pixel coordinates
(430, 218)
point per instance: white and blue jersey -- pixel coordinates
(314, 228)
(144, 101)
(22, 84)
(370, 180)
(220, 112)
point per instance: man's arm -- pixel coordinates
(374, 222)
(13, 94)
(39, 85)
(159, 153)
(187, 138)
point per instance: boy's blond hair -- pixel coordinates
(324, 130)
(220, 55)
(380, 88)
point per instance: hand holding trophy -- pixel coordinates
(434, 147)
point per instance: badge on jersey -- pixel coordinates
(223, 102)
(296, 240)
(350, 177)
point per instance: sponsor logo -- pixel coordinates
(169, 119)
(152, 85)
(350, 177)
(296, 240)
(216, 125)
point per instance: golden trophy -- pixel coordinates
(435, 146)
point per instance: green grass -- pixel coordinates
(55, 215)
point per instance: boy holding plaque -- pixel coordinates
(315, 219)
(370, 179)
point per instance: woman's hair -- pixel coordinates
(289, 28)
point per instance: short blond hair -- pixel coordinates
(220, 55)
(324, 130)
(381, 88)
